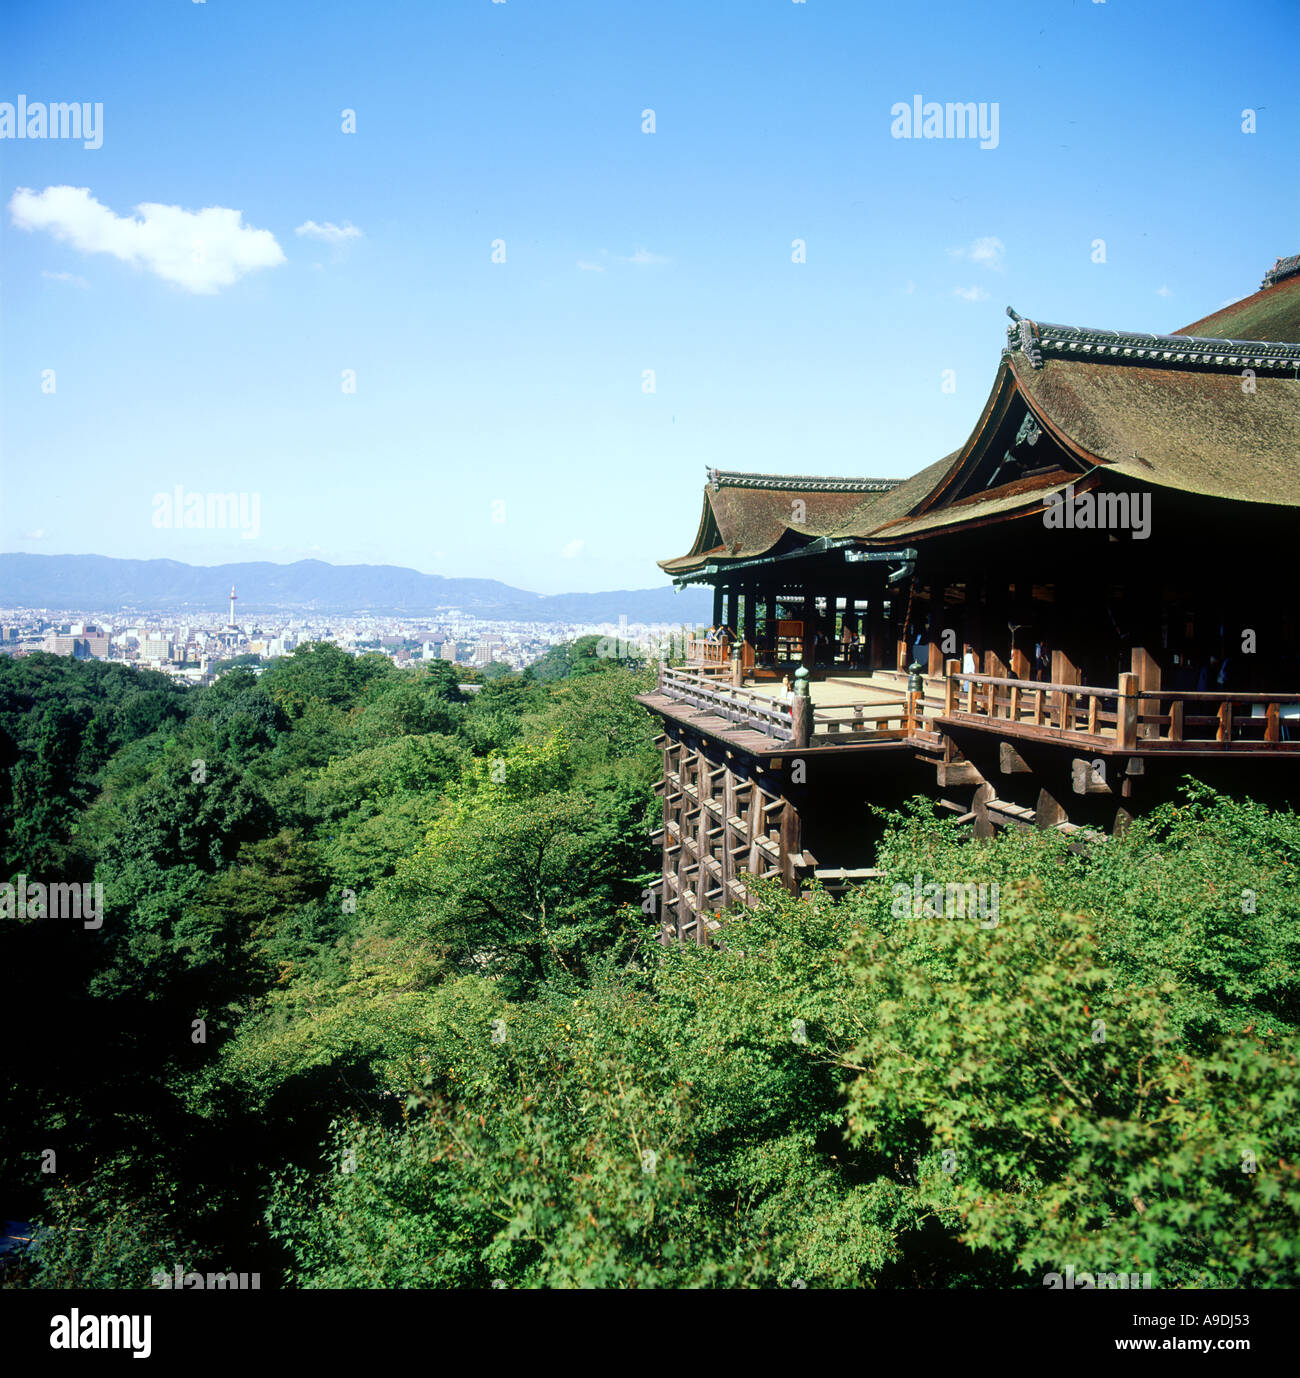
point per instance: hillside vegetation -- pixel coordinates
(378, 1001)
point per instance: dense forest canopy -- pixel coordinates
(378, 1001)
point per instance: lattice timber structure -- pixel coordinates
(728, 817)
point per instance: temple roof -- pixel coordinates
(746, 515)
(1038, 340)
(1195, 431)
(1272, 313)
(1214, 412)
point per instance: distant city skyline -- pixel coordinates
(482, 290)
(192, 646)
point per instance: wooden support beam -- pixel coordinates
(1084, 779)
(1010, 761)
(1049, 811)
(982, 825)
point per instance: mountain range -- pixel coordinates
(100, 583)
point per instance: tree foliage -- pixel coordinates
(377, 1002)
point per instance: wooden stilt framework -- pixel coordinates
(726, 818)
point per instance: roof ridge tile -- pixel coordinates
(1036, 338)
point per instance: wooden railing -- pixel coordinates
(1126, 718)
(877, 721)
(1196, 719)
(1046, 708)
(791, 717)
(760, 712)
(702, 652)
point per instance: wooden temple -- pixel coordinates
(1049, 627)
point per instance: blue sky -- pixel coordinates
(521, 383)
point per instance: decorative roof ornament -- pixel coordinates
(799, 483)
(1030, 432)
(1021, 335)
(1037, 338)
(1284, 268)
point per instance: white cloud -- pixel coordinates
(589, 267)
(987, 252)
(201, 251)
(1163, 291)
(70, 278)
(37, 535)
(337, 235)
(573, 550)
(643, 258)
(970, 293)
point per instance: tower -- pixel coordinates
(232, 605)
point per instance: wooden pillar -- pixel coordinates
(938, 613)
(684, 853)
(1021, 610)
(717, 604)
(667, 906)
(703, 792)
(729, 607)
(872, 643)
(790, 846)
(728, 842)
(902, 631)
(1126, 727)
(751, 613)
(1063, 672)
(982, 826)
(756, 821)
(1147, 673)
(801, 711)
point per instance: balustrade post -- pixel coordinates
(1175, 721)
(951, 668)
(1127, 717)
(1224, 733)
(801, 709)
